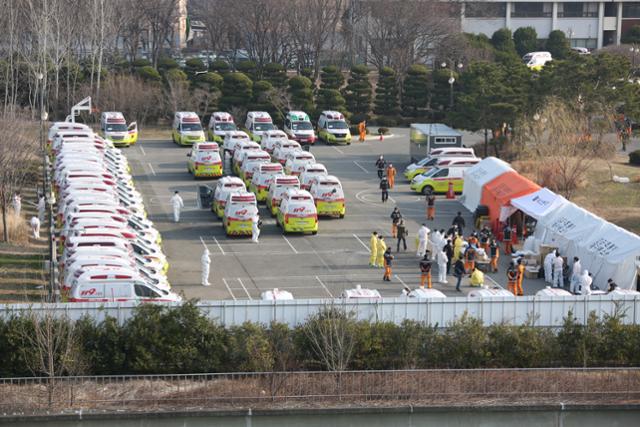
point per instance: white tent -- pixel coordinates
(477, 176)
(539, 204)
(566, 225)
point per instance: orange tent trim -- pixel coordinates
(499, 192)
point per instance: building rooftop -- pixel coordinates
(435, 129)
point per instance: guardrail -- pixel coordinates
(430, 387)
(539, 311)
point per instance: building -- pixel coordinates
(587, 24)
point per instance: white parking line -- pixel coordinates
(152, 170)
(289, 243)
(203, 243)
(228, 288)
(362, 243)
(358, 165)
(243, 287)
(338, 150)
(219, 246)
(142, 149)
(325, 288)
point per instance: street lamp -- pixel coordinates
(451, 80)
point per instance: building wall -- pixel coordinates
(579, 28)
(542, 25)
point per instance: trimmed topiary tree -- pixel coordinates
(237, 91)
(357, 93)
(386, 101)
(167, 63)
(558, 45)
(502, 41)
(301, 94)
(248, 68)
(148, 74)
(263, 97)
(219, 66)
(194, 65)
(415, 91)
(525, 40)
(275, 74)
(329, 96)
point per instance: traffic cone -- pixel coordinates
(450, 193)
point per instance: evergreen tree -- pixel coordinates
(248, 68)
(415, 91)
(358, 93)
(386, 101)
(275, 74)
(237, 91)
(558, 45)
(263, 100)
(192, 66)
(525, 40)
(301, 94)
(440, 96)
(219, 66)
(502, 41)
(329, 96)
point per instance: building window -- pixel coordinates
(444, 140)
(531, 10)
(631, 10)
(588, 43)
(485, 10)
(577, 10)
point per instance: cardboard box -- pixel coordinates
(545, 249)
(531, 272)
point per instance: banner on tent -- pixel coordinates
(602, 246)
(562, 225)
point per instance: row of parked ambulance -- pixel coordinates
(109, 250)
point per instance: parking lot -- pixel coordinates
(308, 266)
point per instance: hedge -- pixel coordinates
(161, 340)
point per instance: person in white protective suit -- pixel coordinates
(35, 227)
(176, 203)
(558, 266)
(255, 228)
(206, 266)
(17, 203)
(548, 267)
(423, 238)
(584, 283)
(41, 208)
(442, 259)
(576, 272)
(434, 244)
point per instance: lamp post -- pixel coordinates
(451, 80)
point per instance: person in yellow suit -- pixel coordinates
(477, 277)
(373, 247)
(362, 129)
(520, 268)
(382, 247)
(457, 246)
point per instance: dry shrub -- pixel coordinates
(138, 100)
(18, 229)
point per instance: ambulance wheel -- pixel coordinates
(341, 216)
(348, 143)
(314, 232)
(427, 190)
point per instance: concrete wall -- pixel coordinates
(578, 28)
(486, 26)
(542, 25)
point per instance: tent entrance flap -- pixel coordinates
(538, 204)
(499, 192)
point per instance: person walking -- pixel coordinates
(381, 249)
(388, 259)
(35, 227)
(395, 218)
(548, 267)
(448, 250)
(470, 259)
(431, 207)
(576, 271)
(42, 205)
(373, 249)
(494, 254)
(381, 164)
(423, 238)
(362, 130)
(255, 229)
(520, 278)
(425, 270)
(176, 203)
(206, 266)
(458, 221)
(512, 278)
(402, 235)
(484, 239)
(558, 267)
(457, 246)
(507, 238)
(458, 272)
(17, 203)
(384, 189)
(443, 262)
(391, 175)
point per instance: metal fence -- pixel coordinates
(486, 386)
(540, 311)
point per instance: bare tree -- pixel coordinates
(217, 15)
(160, 17)
(332, 335)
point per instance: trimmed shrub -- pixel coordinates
(386, 101)
(148, 73)
(301, 94)
(237, 91)
(357, 93)
(414, 91)
(525, 40)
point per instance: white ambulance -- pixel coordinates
(262, 179)
(258, 123)
(298, 127)
(282, 148)
(278, 187)
(251, 162)
(225, 186)
(220, 123)
(239, 213)
(311, 172)
(270, 138)
(329, 197)
(114, 127)
(296, 161)
(187, 129)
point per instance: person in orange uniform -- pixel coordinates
(494, 253)
(470, 259)
(425, 270)
(362, 130)
(506, 238)
(431, 207)
(512, 278)
(388, 259)
(391, 175)
(519, 290)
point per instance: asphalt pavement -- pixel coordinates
(317, 266)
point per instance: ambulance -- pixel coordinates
(437, 180)
(233, 138)
(58, 127)
(536, 60)
(251, 162)
(270, 138)
(97, 287)
(239, 212)
(225, 185)
(361, 293)
(187, 129)
(296, 161)
(298, 127)
(311, 172)
(238, 154)
(279, 186)
(204, 160)
(328, 196)
(114, 127)
(282, 148)
(262, 179)
(219, 124)
(257, 123)
(333, 128)
(436, 154)
(297, 212)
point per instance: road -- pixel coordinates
(308, 266)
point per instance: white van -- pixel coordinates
(298, 127)
(360, 293)
(239, 213)
(94, 288)
(220, 123)
(296, 161)
(333, 128)
(536, 60)
(204, 160)
(238, 154)
(262, 179)
(278, 187)
(225, 185)
(251, 162)
(270, 138)
(257, 123)
(282, 148)
(65, 126)
(311, 172)
(113, 126)
(328, 196)
(426, 163)
(233, 138)
(297, 212)
(187, 128)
